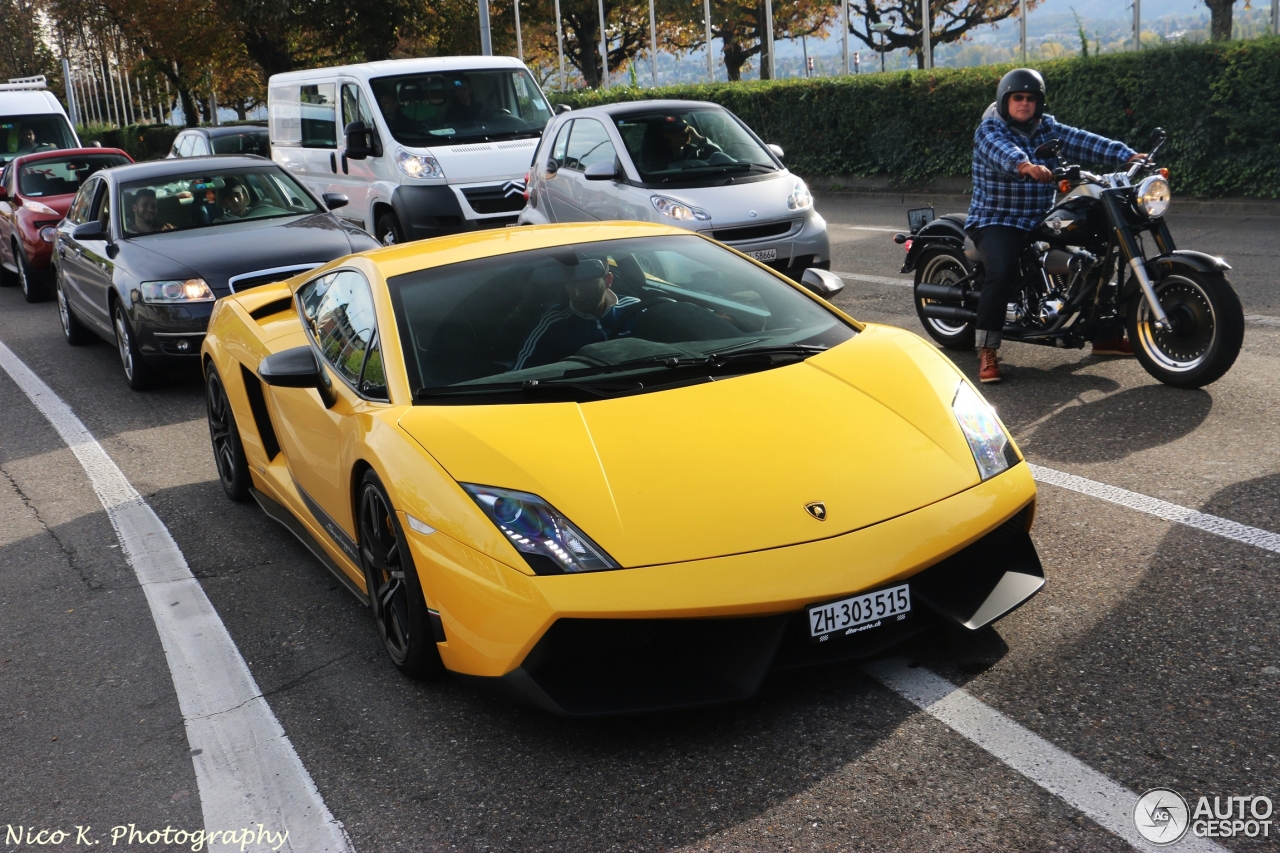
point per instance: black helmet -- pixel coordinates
(1020, 80)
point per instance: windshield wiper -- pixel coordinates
(710, 360)
(733, 354)
(528, 386)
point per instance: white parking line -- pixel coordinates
(876, 279)
(248, 774)
(1107, 803)
(1226, 528)
(1262, 320)
(873, 228)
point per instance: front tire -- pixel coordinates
(395, 595)
(1207, 329)
(944, 268)
(34, 285)
(72, 329)
(387, 230)
(228, 452)
(137, 373)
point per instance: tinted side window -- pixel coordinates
(318, 113)
(588, 144)
(339, 312)
(373, 381)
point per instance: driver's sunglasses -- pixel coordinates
(1020, 98)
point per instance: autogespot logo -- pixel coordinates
(1161, 816)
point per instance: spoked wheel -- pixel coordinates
(395, 596)
(946, 269)
(136, 372)
(72, 329)
(1206, 329)
(228, 452)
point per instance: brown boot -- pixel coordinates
(988, 365)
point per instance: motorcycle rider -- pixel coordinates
(1012, 190)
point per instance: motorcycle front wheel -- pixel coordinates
(1206, 329)
(944, 268)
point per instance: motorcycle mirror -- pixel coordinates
(1048, 149)
(1158, 135)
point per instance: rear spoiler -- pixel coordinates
(19, 83)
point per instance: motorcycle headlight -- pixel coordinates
(678, 209)
(800, 198)
(992, 450)
(169, 292)
(1153, 196)
(548, 541)
(419, 165)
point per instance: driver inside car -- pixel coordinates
(673, 140)
(464, 106)
(589, 313)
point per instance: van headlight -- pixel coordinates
(1154, 195)
(419, 165)
(800, 198)
(549, 542)
(992, 450)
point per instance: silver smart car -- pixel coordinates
(685, 163)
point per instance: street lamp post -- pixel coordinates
(882, 28)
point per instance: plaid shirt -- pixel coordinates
(1003, 197)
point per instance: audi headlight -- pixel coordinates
(170, 292)
(1153, 196)
(990, 444)
(800, 198)
(678, 209)
(419, 165)
(548, 541)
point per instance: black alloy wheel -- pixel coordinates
(1206, 329)
(72, 329)
(136, 372)
(228, 452)
(395, 596)
(944, 268)
(387, 230)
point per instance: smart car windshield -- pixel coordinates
(685, 145)
(599, 319)
(62, 176)
(24, 134)
(205, 199)
(427, 109)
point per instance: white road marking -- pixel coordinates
(1262, 320)
(1107, 803)
(877, 279)
(1226, 528)
(875, 228)
(247, 770)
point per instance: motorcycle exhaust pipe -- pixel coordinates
(953, 313)
(945, 293)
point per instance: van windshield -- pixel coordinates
(426, 109)
(25, 134)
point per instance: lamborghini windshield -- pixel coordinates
(599, 319)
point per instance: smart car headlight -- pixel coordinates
(800, 198)
(169, 292)
(990, 444)
(548, 541)
(678, 209)
(419, 165)
(1153, 196)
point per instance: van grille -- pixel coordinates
(494, 199)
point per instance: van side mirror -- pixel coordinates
(362, 141)
(605, 170)
(297, 368)
(821, 282)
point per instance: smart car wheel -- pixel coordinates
(136, 372)
(395, 596)
(387, 231)
(72, 329)
(228, 452)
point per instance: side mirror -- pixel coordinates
(1158, 135)
(821, 282)
(1048, 149)
(92, 230)
(776, 149)
(605, 170)
(561, 109)
(359, 141)
(333, 201)
(552, 167)
(297, 368)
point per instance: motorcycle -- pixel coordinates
(1085, 275)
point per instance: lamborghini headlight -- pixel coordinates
(169, 292)
(548, 541)
(990, 444)
(1153, 196)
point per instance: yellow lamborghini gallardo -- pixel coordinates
(615, 467)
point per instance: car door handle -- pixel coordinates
(333, 162)
(344, 163)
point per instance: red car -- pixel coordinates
(35, 192)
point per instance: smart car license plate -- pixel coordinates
(764, 255)
(859, 613)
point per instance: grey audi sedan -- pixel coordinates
(146, 249)
(685, 163)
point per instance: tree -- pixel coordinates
(22, 50)
(949, 21)
(626, 34)
(1220, 19)
(738, 26)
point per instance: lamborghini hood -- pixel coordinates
(727, 467)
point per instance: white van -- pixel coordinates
(420, 147)
(31, 119)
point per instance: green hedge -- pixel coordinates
(142, 141)
(1219, 103)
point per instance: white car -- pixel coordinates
(31, 119)
(685, 163)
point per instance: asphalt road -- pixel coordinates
(1152, 656)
